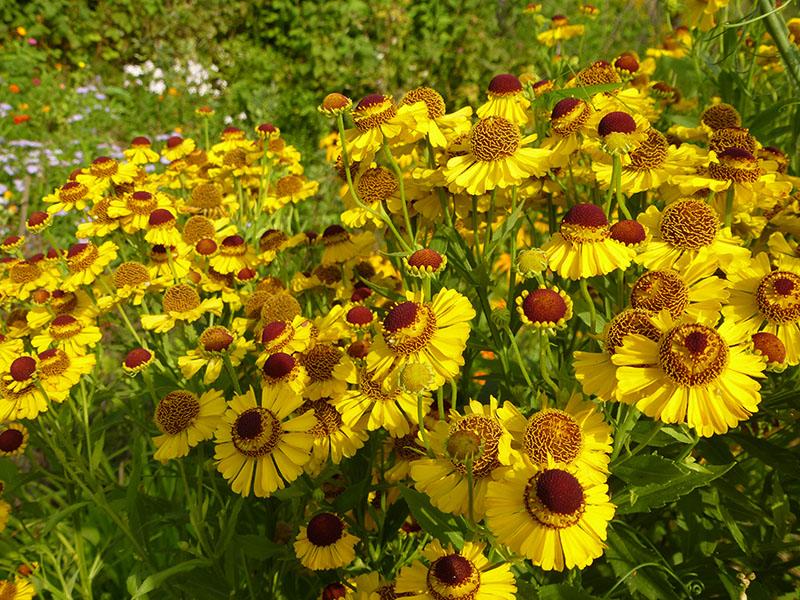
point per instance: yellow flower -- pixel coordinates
(495, 158)
(552, 515)
(257, 447)
(85, 262)
(560, 30)
(378, 119)
(595, 370)
(185, 420)
(583, 246)
(767, 300)
(695, 374)
(544, 308)
(325, 543)
(479, 438)
(455, 575)
(506, 99)
(441, 128)
(689, 231)
(20, 589)
(69, 334)
(414, 331)
(181, 303)
(13, 439)
(140, 152)
(214, 345)
(577, 435)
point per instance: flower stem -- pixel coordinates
(588, 297)
(729, 197)
(518, 356)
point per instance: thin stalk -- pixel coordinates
(729, 197)
(518, 356)
(544, 347)
(588, 297)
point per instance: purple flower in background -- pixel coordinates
(32, 41)
(75, 118)
(34, 169)
(3, 188)
(100, 96)
(19, 185)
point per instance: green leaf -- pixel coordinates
(154, 581)
(562, 591)
(639, 565)
(258, 547)
(654, 481)
(440, 525)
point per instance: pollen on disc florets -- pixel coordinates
(181, 298)
(693, 354)
(657, 290)
(280, 307)
(131, 274)
(376, 184)
(543, 86)
(569, 115)
(256, 432)
(489, 432)
(552, 432)
(721, 116)
(597, 73)
(453, 577)
(433, 101)
(735, 164)
(207, 195)
(373, 111)
(272, 239)
(634, 320)
(325, 529)
(177, 411)
(651, 153)
(81, 256)
(626, 65)
(494, 138)
(198, 228)
(732, 137)
(689, 224)
(778, 297)
(216, 339)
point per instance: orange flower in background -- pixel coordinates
(18, 119)
(14, 88)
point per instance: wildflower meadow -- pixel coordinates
(429, 300)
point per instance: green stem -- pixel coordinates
(618, 187)
(588, 297)
(518, 356)
(544, 347)
(401, 188)
(422, 431)
(777, 29)
(616, 166)
(729, 197)
(232, 373)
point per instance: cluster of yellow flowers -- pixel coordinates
(291, 349)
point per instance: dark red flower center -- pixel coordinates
(628, 232)
(76, 249)
(696, 342)
(278, 365)
(22, 368)
(505, 83)
(272, 331)
(425, 258)
(160, 216)
(616, 122)
(10, 440)
(559, 491)
(400, 316)
(233, 240)
(324, 529)
(359, 315)
(587, 215)
(453, 569)
(544, 306)
(770, 346)
(564, 107)
(137, 357)
(783, 286)
(370, 100)
(248, 425)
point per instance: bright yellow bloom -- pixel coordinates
(185, 420)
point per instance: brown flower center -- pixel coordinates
(177, 411)
(553, 433)
(494, 138)
(689, 224)
(256, 432)
(657, 290)
(693, 354)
